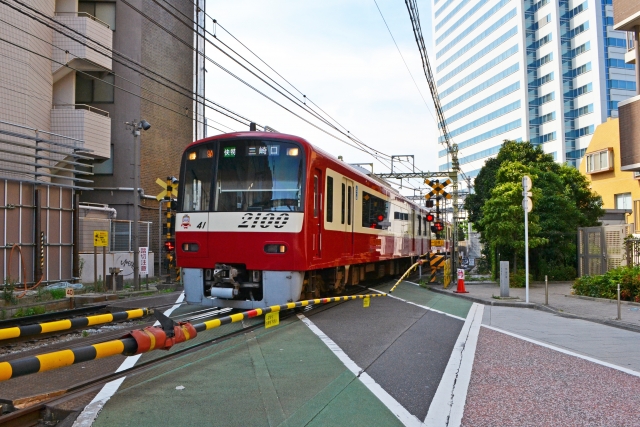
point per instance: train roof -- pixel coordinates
(276, 135)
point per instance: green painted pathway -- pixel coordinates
(422, 296)
(283, 376)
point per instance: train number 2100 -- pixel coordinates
(266, 220)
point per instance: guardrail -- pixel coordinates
(141, 341)
(83, 14)
(81, 107)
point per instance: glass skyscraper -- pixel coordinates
(547, 71)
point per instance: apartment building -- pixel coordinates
(544, 71)
(627, 18)
(72, 73)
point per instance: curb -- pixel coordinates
(614, 323)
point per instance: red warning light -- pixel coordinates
(430, 218)
(380, 217)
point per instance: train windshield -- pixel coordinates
(255, 175)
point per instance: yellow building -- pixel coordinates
(601, 165)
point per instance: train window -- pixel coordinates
(374, 211)
(329, 199)
(349, 204)
(419, 225)
(197, 179)
(315, 196)
(343, 196)
(256, 175)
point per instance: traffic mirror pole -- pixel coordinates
(527, 205)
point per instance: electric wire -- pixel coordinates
(187, 92)
(104, 81)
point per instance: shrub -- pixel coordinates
(605, 286)
(517, 280)
(7, 292)
(58, 293)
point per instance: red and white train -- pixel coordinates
(267, 218)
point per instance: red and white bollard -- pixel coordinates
(461, 289)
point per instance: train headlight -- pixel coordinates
(275, 249)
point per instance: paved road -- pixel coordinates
(384, 365)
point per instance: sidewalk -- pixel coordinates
(560, 301)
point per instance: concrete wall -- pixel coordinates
(122, 260)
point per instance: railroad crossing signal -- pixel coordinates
(167, 189)
(437, 188)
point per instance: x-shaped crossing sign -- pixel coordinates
(437, 188)
(163, 184)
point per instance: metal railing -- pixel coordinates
(84, 15)
(81, 107)
(120, 234)
(27, 156)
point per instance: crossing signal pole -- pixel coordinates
(452, 149)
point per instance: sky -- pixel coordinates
(340, 55)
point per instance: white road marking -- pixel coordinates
(91, 411)
(565, 351)
(417, 305)
(447, 406)
(396, 408)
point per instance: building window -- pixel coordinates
(98, 89)
(600, 161)
(104, 11)
(623, 201)
(544, 21)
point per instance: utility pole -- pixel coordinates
(135, 229)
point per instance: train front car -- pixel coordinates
(241, 214)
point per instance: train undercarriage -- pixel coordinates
(234, 286)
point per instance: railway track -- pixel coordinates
(47, 412)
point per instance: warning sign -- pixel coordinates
(100, 238)
(69, 292)
(143, 259)
(366, 301)
(272, 319)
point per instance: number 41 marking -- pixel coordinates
(201, 225)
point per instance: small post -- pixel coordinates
(146, 280)
(104, 267)
(504, 279)
(619, 317)
(95, 266)
(546, 290)
(419, 271)
(113, 280)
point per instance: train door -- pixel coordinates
(346, 215)
(317, 214)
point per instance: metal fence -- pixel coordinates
(120, 234)
(601, 249)
(632, 246)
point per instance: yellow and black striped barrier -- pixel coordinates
(79, 322)
(142, 341)
(420, 261)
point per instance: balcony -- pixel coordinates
(629, 113)
(72, 50)
(86, 123)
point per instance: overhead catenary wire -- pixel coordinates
(364, 150)
(187, 92)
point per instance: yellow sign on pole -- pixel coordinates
(366, 301)
(271, 319)
(100, 238)
(437, 242)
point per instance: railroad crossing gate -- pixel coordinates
(163, 194)
(437, 188)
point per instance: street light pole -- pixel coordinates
(135, 230)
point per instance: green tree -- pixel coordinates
(562, 202)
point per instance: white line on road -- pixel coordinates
(417, 305)
(568, 352)
(396, 408)
(91, 411)
(447, 406)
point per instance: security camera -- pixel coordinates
(144, 125)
